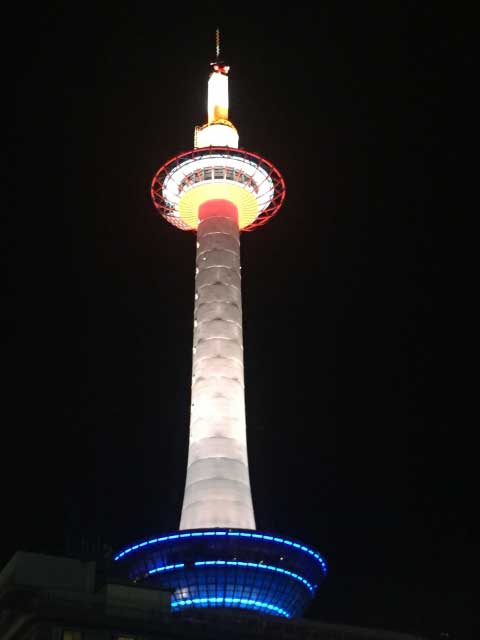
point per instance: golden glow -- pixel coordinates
(245, 202)
(220, 112)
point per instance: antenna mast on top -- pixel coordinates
(217, 43)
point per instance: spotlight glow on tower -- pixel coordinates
(218, 558)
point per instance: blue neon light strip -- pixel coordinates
(251, 604)
(168, 567)
(232, 563)
(240, 534)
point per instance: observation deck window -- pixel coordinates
(218, 173)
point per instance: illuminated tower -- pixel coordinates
(218, 559)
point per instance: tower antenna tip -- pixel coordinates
(217, 43)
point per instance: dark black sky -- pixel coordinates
(356, 348)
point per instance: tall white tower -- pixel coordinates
(217, 191)
(218, 558)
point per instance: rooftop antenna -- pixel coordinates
(217, 43)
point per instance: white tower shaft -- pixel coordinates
(217, 491)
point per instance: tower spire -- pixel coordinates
(218, 131)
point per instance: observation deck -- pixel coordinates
(243, 178)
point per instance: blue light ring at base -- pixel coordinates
(242, 602)
(243, 565)
(255, 565)
(245, 533)
(222, 544)
(169, 567)
(228, 568)
(193, 583)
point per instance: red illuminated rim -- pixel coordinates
(168, 209)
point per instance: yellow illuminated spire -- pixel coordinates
(218, 131)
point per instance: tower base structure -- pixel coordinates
(228, 568)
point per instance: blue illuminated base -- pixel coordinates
(235, 568)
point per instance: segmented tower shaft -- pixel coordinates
(217, 490)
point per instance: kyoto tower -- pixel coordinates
(218, 558)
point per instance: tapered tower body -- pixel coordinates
(217, 491)
(218, 559)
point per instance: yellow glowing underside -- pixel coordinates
(245, 202)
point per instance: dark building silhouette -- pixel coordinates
(46, 597)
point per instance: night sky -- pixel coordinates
(356, 344)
